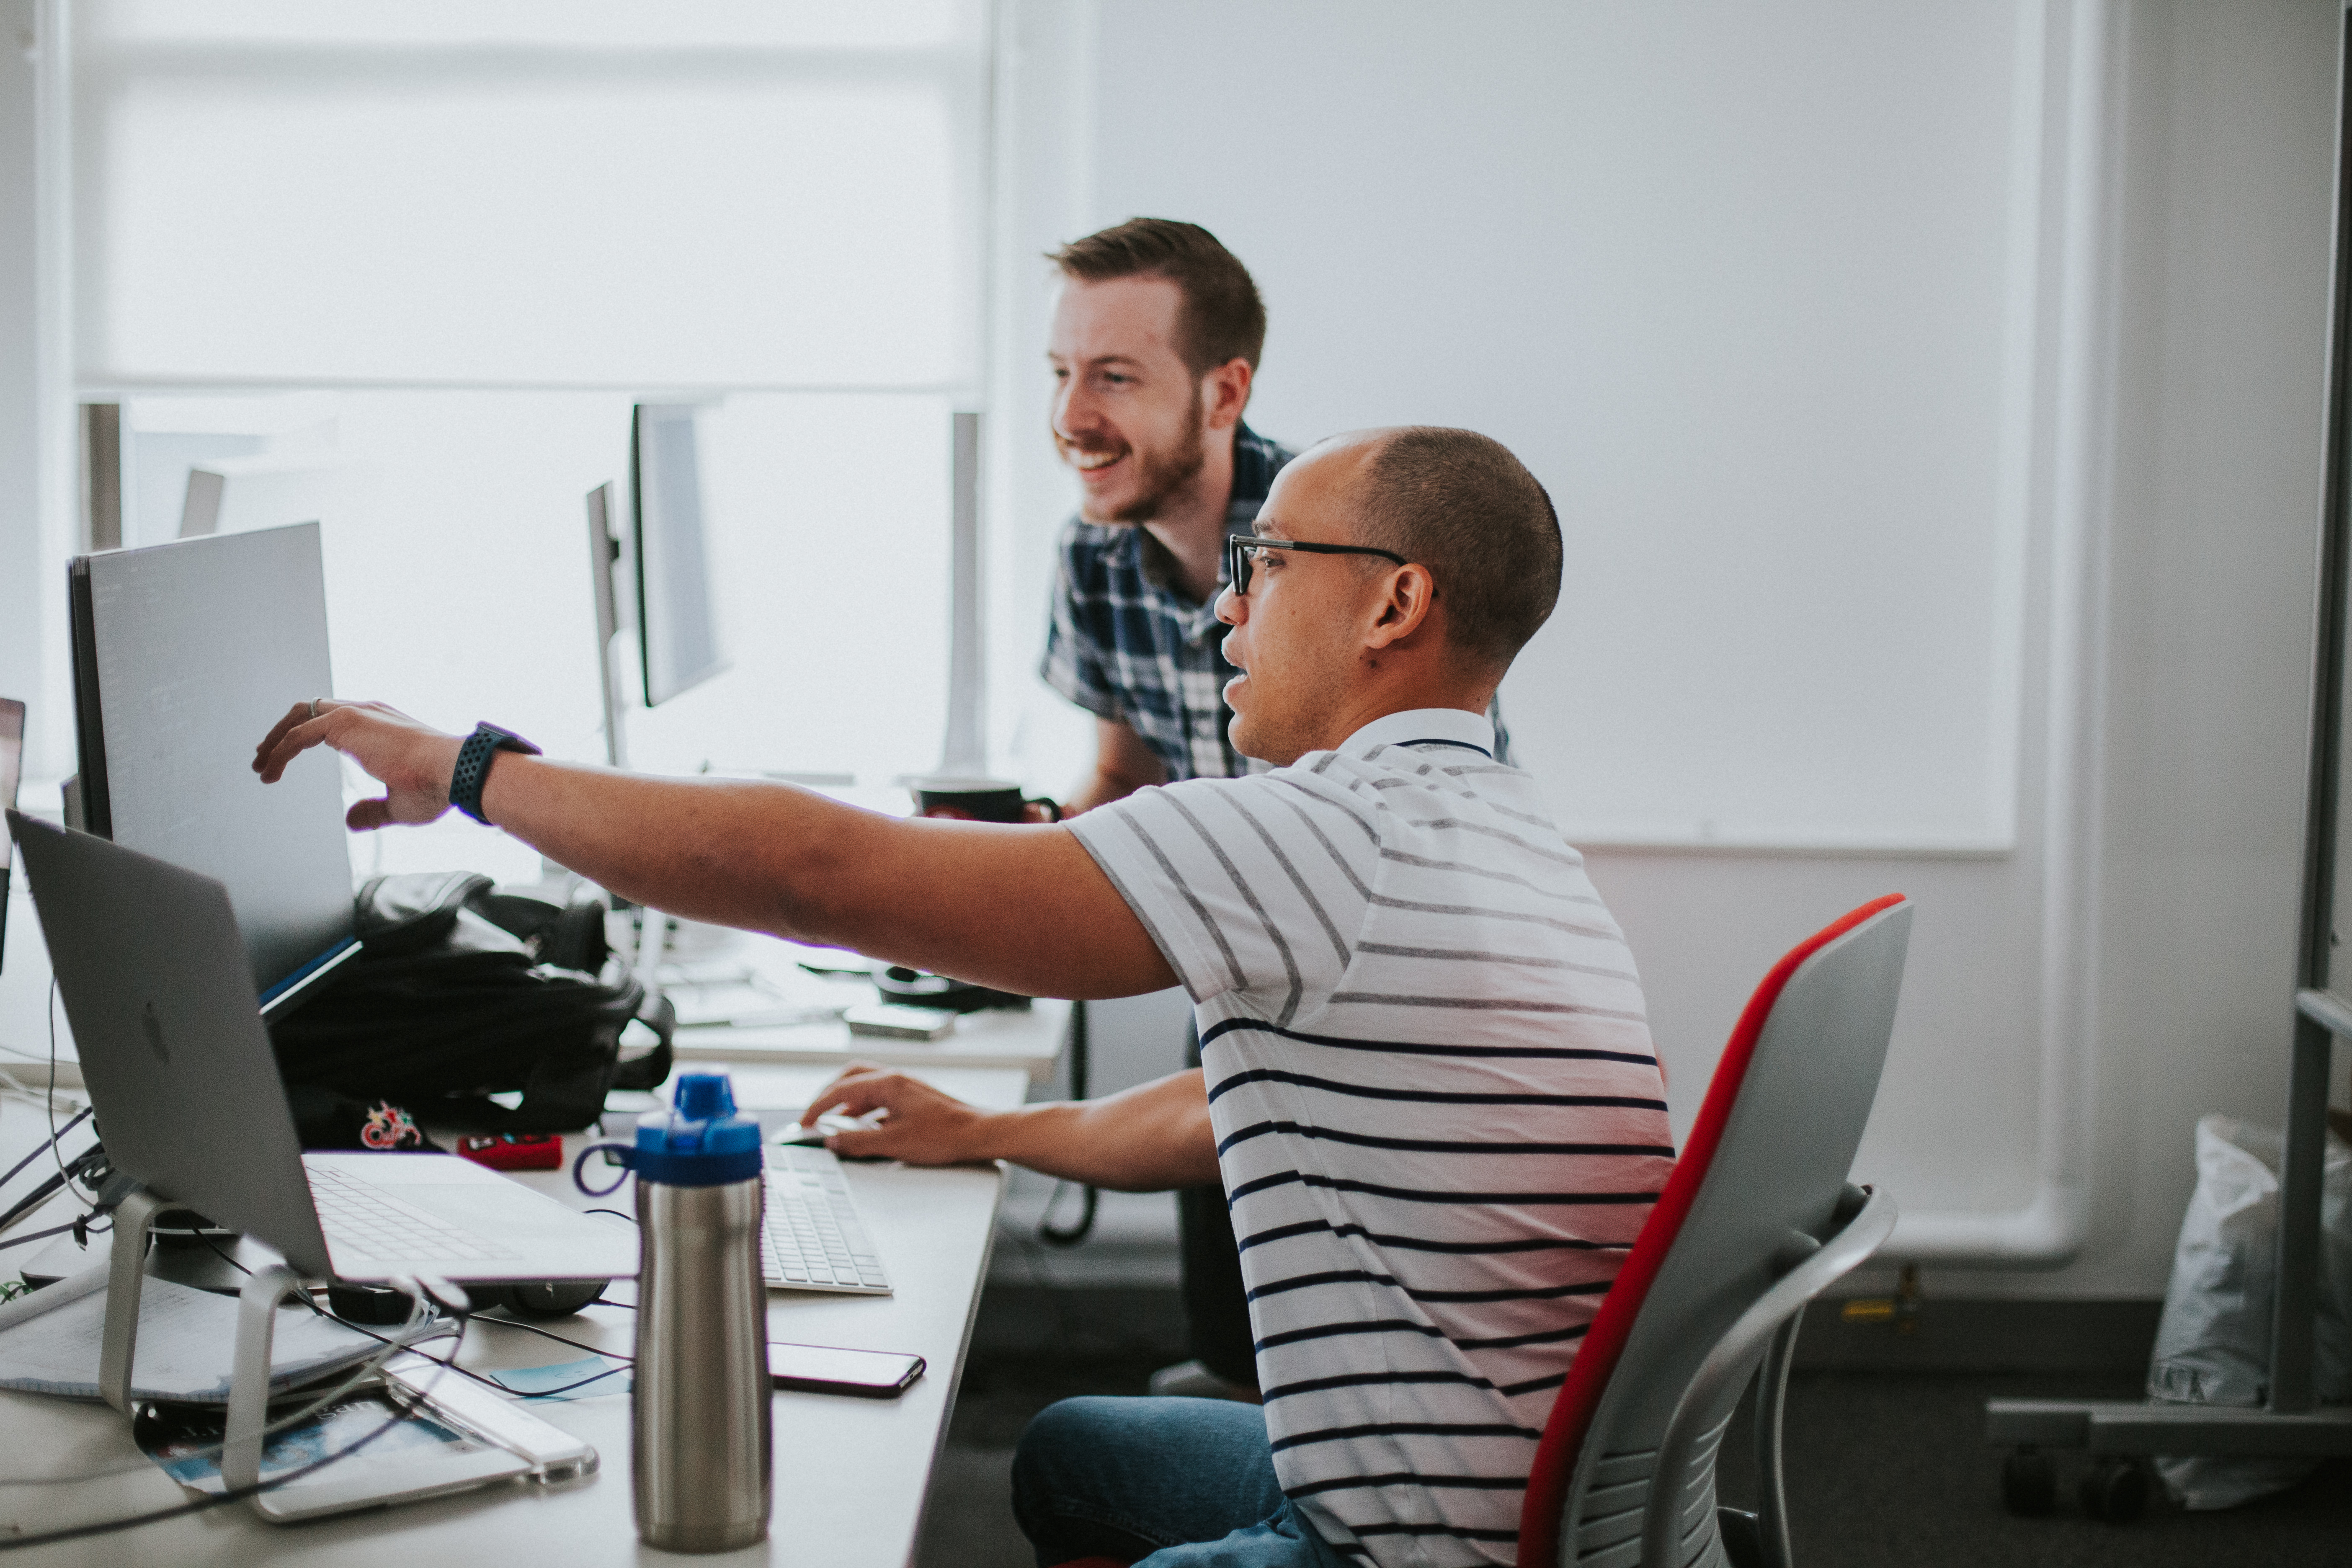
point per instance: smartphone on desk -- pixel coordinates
(821, 1369)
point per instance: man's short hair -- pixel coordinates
(1222, 318)
(1462, 505)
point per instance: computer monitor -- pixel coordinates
(678, 624)
(12, 768)
(604, 559)
(183, 656)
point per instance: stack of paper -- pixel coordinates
(187, 1341)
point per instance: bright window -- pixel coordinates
(528, 194)
(404, 270)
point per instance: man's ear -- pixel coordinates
(1224, 393)
(1407, 604)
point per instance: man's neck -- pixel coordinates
(1192, 521)
(1406, 693)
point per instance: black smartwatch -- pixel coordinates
(474, 766)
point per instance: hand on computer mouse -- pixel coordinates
(826, 1126)
(920, 1125)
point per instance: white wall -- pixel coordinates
(2104, 359)
(2218, 464)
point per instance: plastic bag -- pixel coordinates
(2213, 1343)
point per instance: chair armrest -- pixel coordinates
(1729, 1360)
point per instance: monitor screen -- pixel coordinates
(678, 624)
(184, 655)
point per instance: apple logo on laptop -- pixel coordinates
(155, 1032)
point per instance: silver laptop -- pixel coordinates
(160, 993)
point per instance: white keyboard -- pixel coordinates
(363, 1218)
(814, 1239)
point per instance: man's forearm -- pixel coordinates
(1023, 908)
(1148, 1139)
(730, 852)
(791, 862)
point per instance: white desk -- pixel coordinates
(850, 1473)
(1028, 1039)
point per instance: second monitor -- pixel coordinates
(678, 624)
(183, 656)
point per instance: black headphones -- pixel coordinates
(382, 1305)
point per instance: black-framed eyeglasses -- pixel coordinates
(1241, 551)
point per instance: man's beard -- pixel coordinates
(1159, 474)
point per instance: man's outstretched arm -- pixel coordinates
(1023, 908)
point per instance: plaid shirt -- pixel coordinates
(1125, 644)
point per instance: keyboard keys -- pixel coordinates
(364, 1219)
(814, 1239)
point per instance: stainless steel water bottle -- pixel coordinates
(700, 1451)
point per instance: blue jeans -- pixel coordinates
(1174, 1483)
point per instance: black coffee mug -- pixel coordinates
(983, 800)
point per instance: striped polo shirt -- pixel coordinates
(1439, 1119)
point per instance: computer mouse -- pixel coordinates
(826, 1126)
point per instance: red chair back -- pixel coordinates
(1598, 1359)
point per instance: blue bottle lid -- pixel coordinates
(702, 1141)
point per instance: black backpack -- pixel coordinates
(460, 993)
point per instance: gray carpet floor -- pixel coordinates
(1883, 1468)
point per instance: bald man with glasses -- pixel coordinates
(1428, 1088)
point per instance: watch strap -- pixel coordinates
(473, 768)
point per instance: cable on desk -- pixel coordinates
(16, 1169)
(93, 1158)
(547, 1393)
(559, 1339)
(462, 1372)
(54, 1131)
(489, 1381)
(213, 1248)
(80, 1224)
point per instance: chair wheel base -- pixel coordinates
(2115, 1490)
(2028, 1483)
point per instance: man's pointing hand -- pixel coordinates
(413, 760)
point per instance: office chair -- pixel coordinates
(1756, 1221)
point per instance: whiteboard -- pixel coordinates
(1751, 288)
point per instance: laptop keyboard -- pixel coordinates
(814, 1239)
(365, 1218)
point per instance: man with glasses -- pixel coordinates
(1428, 1088)
(1154, 351)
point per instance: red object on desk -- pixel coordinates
(515, 1151)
